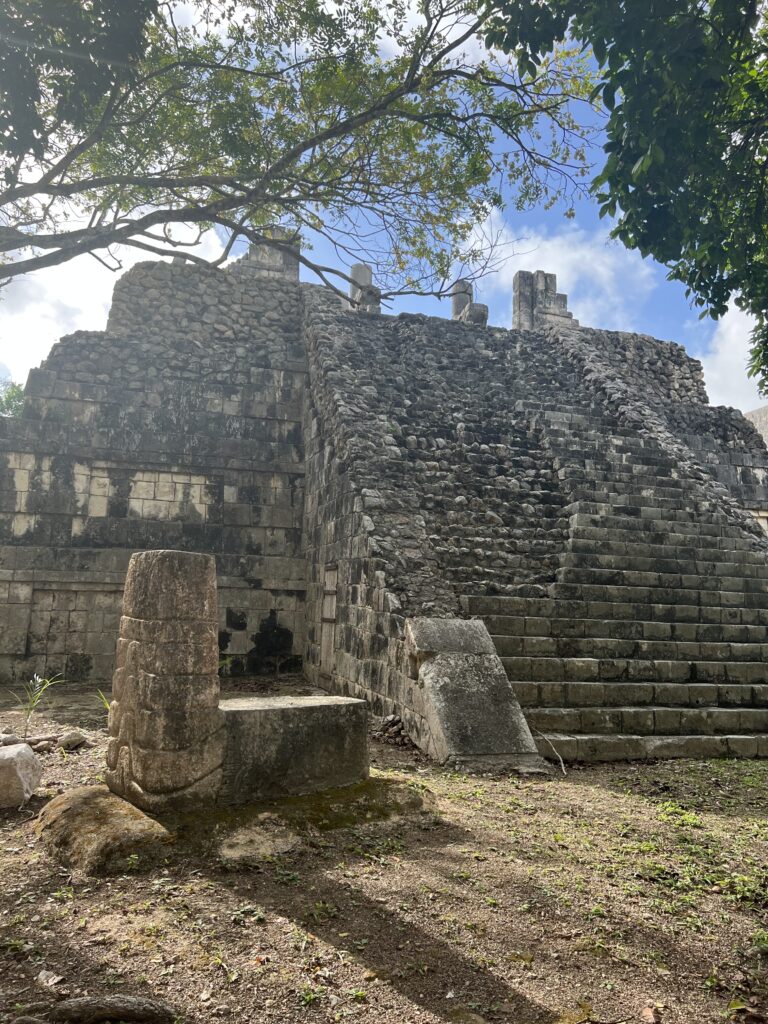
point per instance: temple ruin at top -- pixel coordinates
(368, 483)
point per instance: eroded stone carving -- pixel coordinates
(537, 302)
(167, 732)
(463, 306)
(473, 716)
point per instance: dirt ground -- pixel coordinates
(619, 892)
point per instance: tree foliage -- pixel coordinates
(11, 398)
(685, 87)
(58, 58)
(392, 133)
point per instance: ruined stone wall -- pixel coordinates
(445, 460)
(428, 477)
(178, 427)
(659, 389)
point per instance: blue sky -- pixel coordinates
(607, 286)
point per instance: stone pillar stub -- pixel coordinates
(463, 308)
(536, 302)
(273, 260)
(522, 301)
(461, 297)
(167, 737)
(364, 296)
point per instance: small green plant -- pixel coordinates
(33, 691)
(103, 699)
(311, 995)
(322, 912)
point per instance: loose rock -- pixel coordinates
(94, 831)
(20, 773)
(73, 740)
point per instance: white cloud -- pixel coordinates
(37, 310)
(607, 285)
(725, 361)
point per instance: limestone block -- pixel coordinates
(426, 637)
(20, 774)
(92, 830)
(472, 712)
(170, 585)
(166, 631)
(283, 745)
(174, 732)
(168, 771)
(179, 694)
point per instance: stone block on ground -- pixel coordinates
(20, 774)
(283, 745)
(94, 831)
(472, 715)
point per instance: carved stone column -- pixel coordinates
(167, 732)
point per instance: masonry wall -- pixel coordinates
(671, 383)
(444, 460)
(424, 482)
(178, 427)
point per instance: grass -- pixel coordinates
(616, 890)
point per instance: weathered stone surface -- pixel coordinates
(283, 745)
(20, 774)
(425, 637)
(94, 831)
(422, 468)
(177, 427)
(167, 732)
(472, 712)
(169, 585)
(253, 843)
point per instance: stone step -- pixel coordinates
(643, 475)
(602, 445)
(601, 747)
(583, 695)
(571, 418)
(647, 721)
(627, 512)
(554, 608)
(620, 529)
(663, 581)
(725, 597)
(664, 566)
(592, 469)
(629, 628)
(607, 647)
(661, 498)
(642, 670)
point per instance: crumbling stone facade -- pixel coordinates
(178, 427)
(350, 471)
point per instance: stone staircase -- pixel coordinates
(652, 638)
